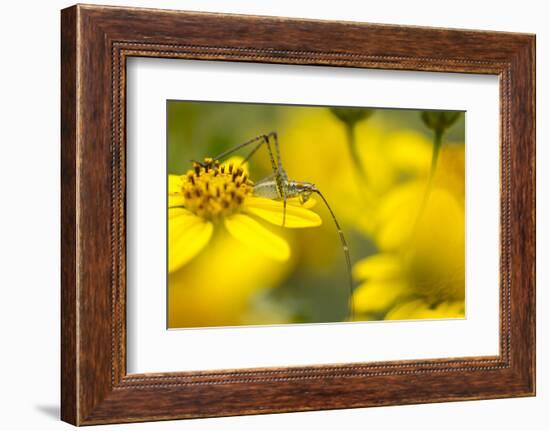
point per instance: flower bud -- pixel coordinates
(352, 115)
(439, 121)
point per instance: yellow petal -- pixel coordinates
(448, 310)
(407, 310)
(310, 203)
(272, 211)
(187, 236)
(436, 261)
(397, 214)
(377, 296)
(381, 266)
(419, 309)
(409, 151)
(174, 184)
(175, 197)
(175, 201)
(177, 212)
(253, 234)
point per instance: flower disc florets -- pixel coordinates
(212, 190)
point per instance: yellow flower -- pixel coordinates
(418, 272)
(387, 156)
(222, 284)
(210, 195)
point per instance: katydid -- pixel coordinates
(278, 186)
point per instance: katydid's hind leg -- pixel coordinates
(277, 149)
(260, 139)
(276, 168)
(256, 148)
(264, 140)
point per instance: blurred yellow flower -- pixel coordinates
(388, 156)
(221, 285)
(418, 271)
(211, 193)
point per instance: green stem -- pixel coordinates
(438, 140)
(352, 145)
(361, 175)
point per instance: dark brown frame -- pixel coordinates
(95, 43)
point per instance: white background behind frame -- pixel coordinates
(31, 239)
(153, 348)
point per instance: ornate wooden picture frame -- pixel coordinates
(96, 41)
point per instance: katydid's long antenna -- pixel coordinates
(346, 254)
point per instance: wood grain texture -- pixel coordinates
(96, 41)
(69, 397)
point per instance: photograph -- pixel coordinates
(295, 214)
(275, 211)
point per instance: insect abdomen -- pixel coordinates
(267, 190)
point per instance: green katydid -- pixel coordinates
(278, 186)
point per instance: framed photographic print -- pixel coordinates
(265, 214)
